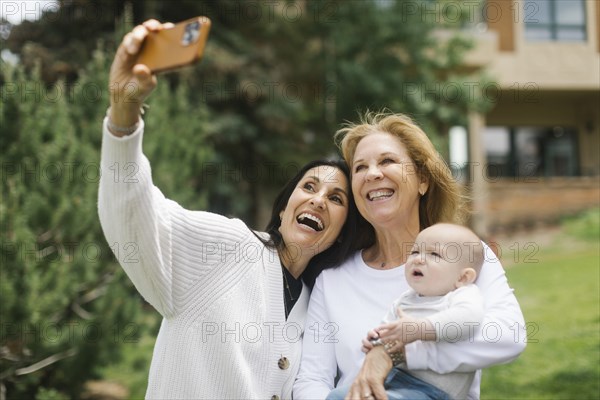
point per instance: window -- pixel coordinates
(530, 151)
(558, 20)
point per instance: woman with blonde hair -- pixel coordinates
(401, 185)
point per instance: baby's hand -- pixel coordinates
(405, 330)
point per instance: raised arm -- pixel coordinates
(163, 248)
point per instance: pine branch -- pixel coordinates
(46, 362)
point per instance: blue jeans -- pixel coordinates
(400, 385)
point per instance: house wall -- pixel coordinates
(502, 23)
(598, 26)
(517, 204)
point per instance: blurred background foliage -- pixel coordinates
(277, 80)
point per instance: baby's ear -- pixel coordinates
(467, 276)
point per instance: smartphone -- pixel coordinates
(175, 47)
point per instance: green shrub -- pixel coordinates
(585, 225)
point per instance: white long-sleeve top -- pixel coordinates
(454, 317)
(348, 301)
(218, 288)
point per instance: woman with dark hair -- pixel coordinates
(347, 242)
(233, 300)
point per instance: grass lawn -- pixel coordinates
(559, 294)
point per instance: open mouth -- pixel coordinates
(311, 221)
(417, 272)
(380, 194)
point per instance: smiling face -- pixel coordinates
(315, 212)
(443, 258)
(385, 181)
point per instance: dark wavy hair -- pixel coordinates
(340, 249)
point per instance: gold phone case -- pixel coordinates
(175, 47)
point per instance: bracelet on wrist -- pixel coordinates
(123, 130)
(396, 356)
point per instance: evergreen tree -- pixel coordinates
(67, 308)
(282, 76)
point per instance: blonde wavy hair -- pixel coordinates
(444, 200)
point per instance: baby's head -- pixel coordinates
(443, 258)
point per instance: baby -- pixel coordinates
(443, 304)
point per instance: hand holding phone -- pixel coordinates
(175, 47)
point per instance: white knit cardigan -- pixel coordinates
(219, 289)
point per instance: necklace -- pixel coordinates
(287, 285)
(385, 263)
(291, 292)
(381, 264)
